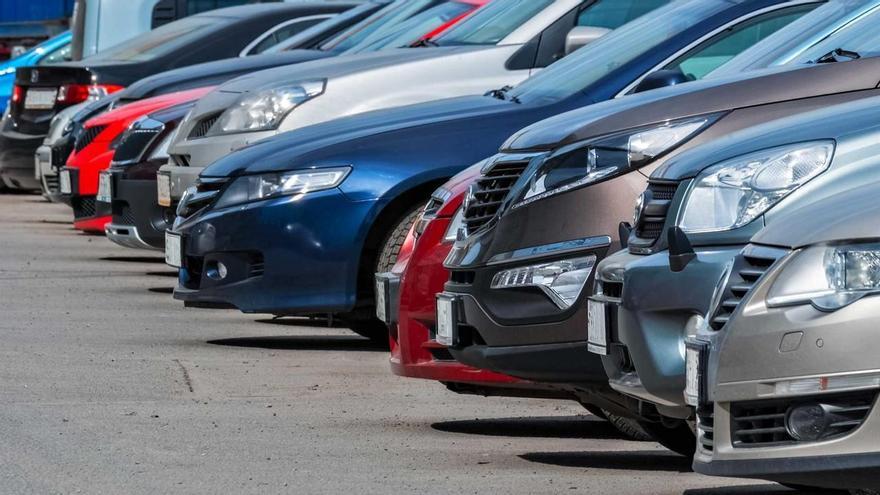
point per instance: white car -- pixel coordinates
(499, 45)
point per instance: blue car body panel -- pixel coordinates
(30, 57)
(311, 246)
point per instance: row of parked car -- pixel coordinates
(660, 209)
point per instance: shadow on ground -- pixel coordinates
(134, 259)
(305, 343)
(303, 322)
(540, 427)
(162, 290)
(620, 460)
(757, 490)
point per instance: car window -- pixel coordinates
(591, 63)
(412, 30)
(283, 32)
(612, 14)
(60, 54)
(377, 25)
(197, 6)
(492, 23)
(722, 48)
(162, 40)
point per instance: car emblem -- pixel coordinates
(34, 76)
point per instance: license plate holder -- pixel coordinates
(64, 184)
(163, 189)
(387, 299)
(447, 319)
(40, 99)
(597, 327)
(105, 188)
(696, 361)
(173, 250)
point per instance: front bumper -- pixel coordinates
(287, 255)
(138, 221)
(17, 160)
(649, 322)
(50, 158)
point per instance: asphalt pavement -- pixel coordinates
(108, 385)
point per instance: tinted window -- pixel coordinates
(161, 40)
(589, 64)
(612, 14)
(493, 23)
(414, 29)
(733, 41)
(377, 25)
(282, 33)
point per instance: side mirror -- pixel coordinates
(661, 79)
(583, 35)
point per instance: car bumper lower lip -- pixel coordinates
(126, 236)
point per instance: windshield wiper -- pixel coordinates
(501, 94)
(837, 55)
(425, 42)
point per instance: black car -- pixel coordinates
(41, 92)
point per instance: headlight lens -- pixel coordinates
(562, 281)
(257, 187)
(265, 109)
(609, 156)
(828, 277)
(735, 192)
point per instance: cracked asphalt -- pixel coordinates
(110, 386)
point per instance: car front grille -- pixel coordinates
(489, 191)
(83, 207)
(135, 142)
(763, 423)
(748, 268)
(179, 160)
(657, 200)
(52, 184)
(203, 126)
(88, 135)
(206, 189)
(706, 428)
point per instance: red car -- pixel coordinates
(93, 152)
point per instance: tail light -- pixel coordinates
(71, 94)
(17, 94)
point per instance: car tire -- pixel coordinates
(368, 325)
(679, 438)
(631, 428)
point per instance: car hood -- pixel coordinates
(148, 105)
(299, 148)
(340, 66)
(844, 217)
(696, 98)
(216, 72)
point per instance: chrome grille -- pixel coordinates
(489, 191)
(201, 129)
(199, 197)
(763, 423)
(656, 199)
(748, 268)
(87, 136)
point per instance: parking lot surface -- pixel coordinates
(110, 386)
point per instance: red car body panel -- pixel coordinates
(420, 267)
(97, 155)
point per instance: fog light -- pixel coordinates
(562, 280)
(217, 272)
(807, 422)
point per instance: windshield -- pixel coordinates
(161, 40)
(377, 25)
(413, 30)
(592, 62)
(810, 37)
(492, 23)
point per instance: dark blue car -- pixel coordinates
(299, 223)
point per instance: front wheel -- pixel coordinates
(679, 438)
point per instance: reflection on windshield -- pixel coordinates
(833, 25)
(376, 26)
(161, 40)
(589, 64)
(412, 30)
(492, 23)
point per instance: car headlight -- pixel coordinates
(609, 156)
(828, 277)
(265, 109)
(562, 280)
(256, 187)
(735, 192)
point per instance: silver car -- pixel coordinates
(787, 387)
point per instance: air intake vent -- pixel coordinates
(83, 207)
(489, 191)
(763, 423)
(88, 135)
(748, 268)
(706, 428)
(201, 129)
(657, 200)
